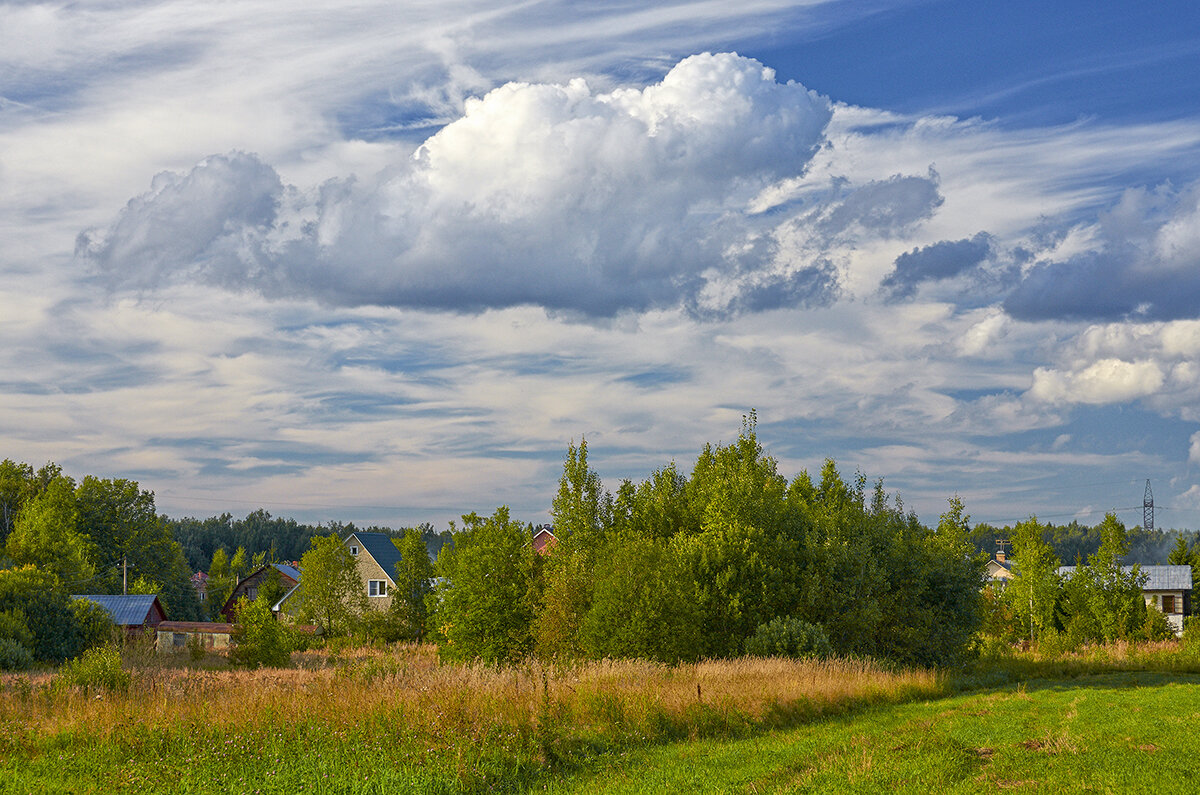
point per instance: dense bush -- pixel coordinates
(54, 632)
(14, 656)
(258, 639)
(382, 626)
(95, 669)
(96, 626)
(1156, 626)
(789, 637)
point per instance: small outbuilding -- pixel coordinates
(134, 613)
(175, 636)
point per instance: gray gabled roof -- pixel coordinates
(1158, 578)
(290, 571)
(1167, 578)
(127, 610)
(380, 547)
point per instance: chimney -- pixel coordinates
(1000, 556)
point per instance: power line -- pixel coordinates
(1064, 513)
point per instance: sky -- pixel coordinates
(383, 262)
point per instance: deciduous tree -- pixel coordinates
(484, 600)
(46, 535)
(331, 593)
(414, 584)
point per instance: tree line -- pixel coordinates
(274, 538)
(1075, 541)
(686, 567)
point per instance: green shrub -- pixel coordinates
(301, 640)
(47, 610)
(13, 626)
(1052, 644)
(14, 656)
(258, 639)
(789, 637)
(383, 626)
(1191, 632)
(1155, 627)
(95, 669)
(96, 627)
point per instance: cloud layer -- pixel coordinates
(545, 194)
(382, 305)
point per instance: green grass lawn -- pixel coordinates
(1112, 732)
(1134, 732)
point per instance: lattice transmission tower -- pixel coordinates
(1148, 509)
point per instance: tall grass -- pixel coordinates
(1001, 663)
(466, 726)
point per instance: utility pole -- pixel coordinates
(125, 575)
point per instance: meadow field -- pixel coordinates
(396, 720)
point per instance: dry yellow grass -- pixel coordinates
(407, 687)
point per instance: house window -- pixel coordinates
(354, 551)
(179, 639)
(1168, 603)
(377, 588)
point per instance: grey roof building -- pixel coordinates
(130, 611)
(1169, 588)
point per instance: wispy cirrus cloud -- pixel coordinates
(398, 254)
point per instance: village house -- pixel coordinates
(544, 539)
(376, 557)
(134, 613)
(1000, 570)
(1168, 588)
(199, 581)
(248, 586)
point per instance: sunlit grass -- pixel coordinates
(400, 716)
(1124, 732)
(384, 720)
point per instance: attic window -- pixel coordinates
(354, 551)
(377, 588)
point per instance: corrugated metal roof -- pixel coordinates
(1158, 578)
(380, 547)
(290, 571)
(1168, 578)
(127, 610)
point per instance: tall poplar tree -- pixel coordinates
(569, 573)
(1035, 590)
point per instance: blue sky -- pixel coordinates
(382, 262)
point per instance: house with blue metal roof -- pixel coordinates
(248, 586)
(376, 557)
(135, 613)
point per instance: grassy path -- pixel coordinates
(1111, 733)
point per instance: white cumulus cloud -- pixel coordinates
(1105, 381)
(548, 194)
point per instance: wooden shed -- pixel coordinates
(134, 613)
